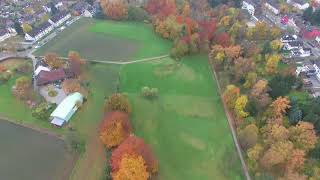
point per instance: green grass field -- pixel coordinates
(108, 40)
(186, 125)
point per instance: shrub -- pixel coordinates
(118, 102)
(150, 93)
(4, 77)
(137, 14)
(43, 110)
(52, 93)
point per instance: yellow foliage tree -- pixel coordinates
(131, 168)
(240, 106)
(303, 136)
(272, 63)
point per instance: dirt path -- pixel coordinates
(120, 62)
(231, 125)
(91, 163)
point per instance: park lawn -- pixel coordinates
(108, 40)
(186, 126)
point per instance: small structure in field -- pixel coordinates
(65, 110)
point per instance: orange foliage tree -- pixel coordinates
(118, 102)
(52, 60)
(134, 146)
(131, 168)
(116, 10)
(71, 85)
(278, 109)
(115, 128)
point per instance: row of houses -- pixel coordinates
(46, 27)
(296, 47)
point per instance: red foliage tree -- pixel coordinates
(134, 146)
(115, 128)
(223, 39)
(207, 29)
(161, 8)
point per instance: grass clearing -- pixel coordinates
(108, 40)
(186, 125)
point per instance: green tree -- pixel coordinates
(43, 110)
(307, 14)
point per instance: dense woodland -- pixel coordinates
(277, 121)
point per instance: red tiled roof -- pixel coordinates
(46, 77)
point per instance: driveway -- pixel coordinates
(57, 99)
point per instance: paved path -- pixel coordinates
(120, 62)
(231, 125)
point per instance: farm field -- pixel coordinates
(21, 146)
(186, 125)
(108, 40)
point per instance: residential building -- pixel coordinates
(299, 4)
(40, 32)
(60, 18)
(47, 77)
(40, 69)
(66, 109)
(293, 45)
(4, 34)
(288, 38)
(249, 6)
(301, 52)
(272, 6)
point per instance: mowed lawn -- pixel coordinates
(108, 40)
(186, 126)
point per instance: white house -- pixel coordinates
(40, 32)
(60, 18)
(272, 6)
(293, 45)
(249, 6)
(39, 69)
(301, 52)
(288, 38)
(4, 34)
(299, 4)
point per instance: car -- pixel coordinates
(37, 46)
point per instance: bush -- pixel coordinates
(43, 110)
(4, 77)
(118, 102)
(75, 143)
(150, 93)
(52, 93)
(137, 14)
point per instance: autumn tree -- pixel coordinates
(303, 136)
(259, 94)
(22, 88)
(230, 96)
(254, 154)
(248, 136)
(131, 168)
(277, 154)
(272, 64)
(76, 63)
(134, 146)
(71, 86)
(118, 102)
(251, 79)
(296, 160)
(273, 133)
(278, 109)
(233, 52)
(223, 39)
(242, 67)
(240, 106)
(115, 128)
(168, 28)
(116, 10)
(161, 8)
(53, 60)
